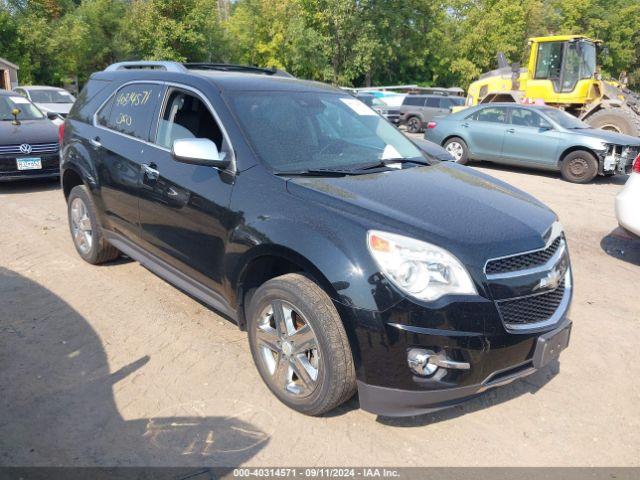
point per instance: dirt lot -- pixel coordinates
(112, 366)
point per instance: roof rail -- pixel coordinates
(147, 65)
(230, 67)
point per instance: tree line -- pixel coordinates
(345, 42)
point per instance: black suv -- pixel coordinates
(353, 260)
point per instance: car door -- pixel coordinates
(184, 208)
(530, 140)
(485, 130)
(122, 127)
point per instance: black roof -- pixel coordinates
(224, 80)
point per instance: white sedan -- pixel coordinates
(628, 201)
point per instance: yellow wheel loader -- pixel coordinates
(563, 72)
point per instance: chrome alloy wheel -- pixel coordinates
(455, 149)
(81, 226)
(289, 349)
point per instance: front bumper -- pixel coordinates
(50, 168)
(627, 205)
(395, 402)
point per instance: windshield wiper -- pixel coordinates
(391, 161)
(319, 172)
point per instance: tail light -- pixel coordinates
(431, 125)
(60, 133)
(636, 164)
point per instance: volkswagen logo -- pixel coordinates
(25, 148)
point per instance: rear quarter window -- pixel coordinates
(131, 110)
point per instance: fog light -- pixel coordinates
(419, 364)
(425, 362)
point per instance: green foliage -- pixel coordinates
(345, 42)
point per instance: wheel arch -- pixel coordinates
(266, 262)
(575, 148)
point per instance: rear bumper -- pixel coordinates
(393, 402)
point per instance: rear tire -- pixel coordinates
(621, 120)
(414, 125)
(579, 167)
(458, 150)
(86, 231)
(306, 361)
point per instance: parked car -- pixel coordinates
(353, 260)
(48, 99)
(417, 110)
(393, 115)
(628, 202)
(534, 136)
(434, 150)
(28, 140)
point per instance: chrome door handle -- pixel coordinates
(150, 172)
(465, 124)
(511, 130)
(96, 142)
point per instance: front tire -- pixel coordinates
(299, 345)
(458, 150)
(86, 231)
(579, 167)
(414, 125)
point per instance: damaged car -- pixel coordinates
(534, 136)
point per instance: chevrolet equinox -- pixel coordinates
(353, 259)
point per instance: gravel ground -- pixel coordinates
(112, 366)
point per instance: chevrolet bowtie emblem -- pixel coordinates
(551, 281)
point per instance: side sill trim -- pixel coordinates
(171, 274)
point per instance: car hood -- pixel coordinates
(471, 214)
(29, 131)
(63, 108)
(607, 136)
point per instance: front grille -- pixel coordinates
(533, 309)
(36, 149)
(49, 163)
(523, 261)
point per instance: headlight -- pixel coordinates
(421, 270)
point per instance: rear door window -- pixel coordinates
(130, 111)
(491, 114)
(433, 102)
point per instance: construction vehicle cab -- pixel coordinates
(562, 72)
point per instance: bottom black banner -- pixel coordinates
(281, 473)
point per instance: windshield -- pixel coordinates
(28, 111)
(564, 119)
(298, 131)
(50, 96)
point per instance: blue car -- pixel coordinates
(534, 136)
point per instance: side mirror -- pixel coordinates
(199, 151)
(54, 116)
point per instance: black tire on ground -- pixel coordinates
(100, 251)
(622, 120)
(456, 144)
(579, 166)
(335, 380)
(414, 125)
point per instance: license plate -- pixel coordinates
(29, 163)
(550, 345)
